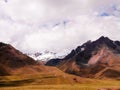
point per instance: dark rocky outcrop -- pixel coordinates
(54, 62)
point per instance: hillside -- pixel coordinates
(13, 58)
(93, 59)
(18, 67)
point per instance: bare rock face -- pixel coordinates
(97, 59)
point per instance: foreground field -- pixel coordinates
(62, 87)
(59, 81)
(90, 85)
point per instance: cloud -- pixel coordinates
(57, 25)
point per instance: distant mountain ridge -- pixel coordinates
(44, 56)
(92, 59)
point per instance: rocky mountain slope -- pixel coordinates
(94, 59)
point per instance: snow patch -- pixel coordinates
(45, 56)
(82, 49)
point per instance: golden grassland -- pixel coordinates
(52, 82)
(63, 87)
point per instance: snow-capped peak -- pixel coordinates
(45, 56)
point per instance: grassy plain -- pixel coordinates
(52, 82)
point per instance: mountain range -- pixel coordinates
(93, 59)
(19, 69)
(44, 56)
(99, 59)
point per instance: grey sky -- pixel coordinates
(38, 25)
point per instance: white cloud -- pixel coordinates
(57, 25)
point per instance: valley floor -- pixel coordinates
(59, 87)
(93, 86)
(52, 82)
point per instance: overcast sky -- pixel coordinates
(57, 25)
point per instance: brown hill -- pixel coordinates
(4, 70)
(13, 58)
(18, 67)
(97, 59)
